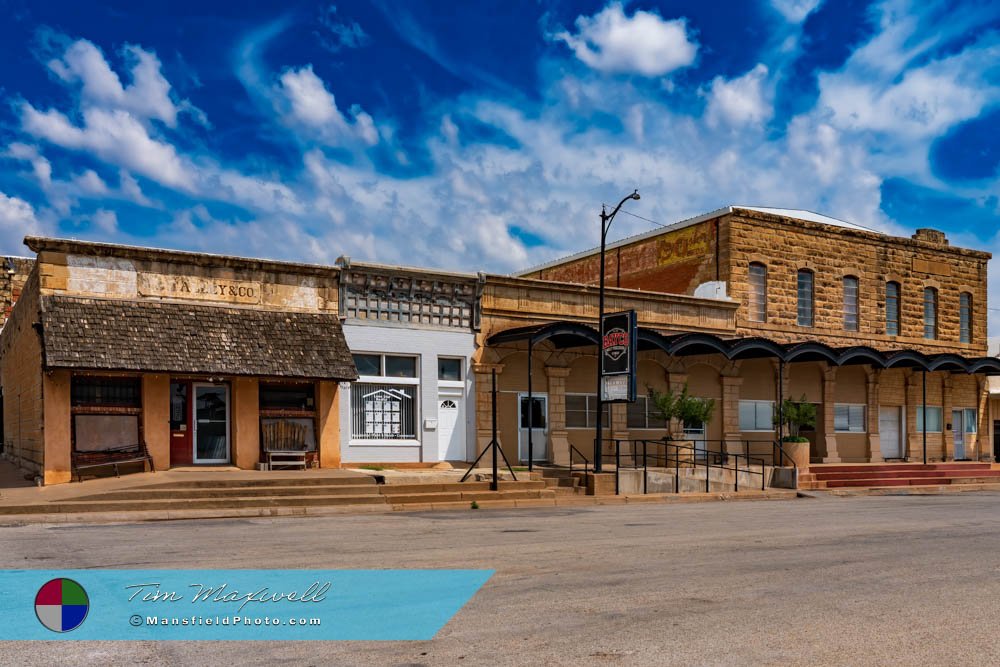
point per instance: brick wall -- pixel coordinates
(674, 262)
(21, 380)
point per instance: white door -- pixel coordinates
(539, 427)
(696, 434)
(890, 433)
(211, 423)
(451, 429)
(958, 429)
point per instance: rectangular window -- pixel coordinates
(300, 397)
(757, 295)
(892, 309)
(930, 313)
(449, 370)
(386, 365)
(383, 411)
(757, 416)
(970, 420)
(849, 418)
(642, 415)
(933, 420)
(106, 391)
(581, 411)
(805, 298)
(965, 318)
(850, 303)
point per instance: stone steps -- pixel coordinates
(897, 475)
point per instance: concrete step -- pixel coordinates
(895, 467)
(908, 481)
(458, 487)
(284, 480)
(456, 496)
(146, 493)
(189, 504)
(861, 474)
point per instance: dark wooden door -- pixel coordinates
(996, 440)
(181, 450)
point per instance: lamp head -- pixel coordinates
(635, 195)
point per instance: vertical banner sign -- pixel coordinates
(619, 344)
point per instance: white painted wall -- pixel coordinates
(427, 344)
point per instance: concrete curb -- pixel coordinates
(929, 490)
(272, 512)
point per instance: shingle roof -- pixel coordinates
(101, 334)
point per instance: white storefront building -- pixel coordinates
(412, 333)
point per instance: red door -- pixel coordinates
(181, 450)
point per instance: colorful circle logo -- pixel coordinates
(61, 605)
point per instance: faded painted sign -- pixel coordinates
(685, 244)
(198, 287)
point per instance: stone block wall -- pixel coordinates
(21, 380)
(14, 272)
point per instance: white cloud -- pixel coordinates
(106, 221)
(312, 105)
(740, 101)
(795, 11)
(148, 96)
(17, 220)
(643, 43)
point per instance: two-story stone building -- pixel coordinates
(853, 320)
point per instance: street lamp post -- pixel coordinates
(606, 219)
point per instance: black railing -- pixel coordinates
(668, 454)
(572, 463)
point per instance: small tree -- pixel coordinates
(796, 415)
(683, 406)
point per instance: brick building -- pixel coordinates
(817, 288)
(13, 274)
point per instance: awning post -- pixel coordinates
(924, 408)
(531, 410)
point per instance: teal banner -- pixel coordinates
(232, 604)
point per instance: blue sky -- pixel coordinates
(485, 135)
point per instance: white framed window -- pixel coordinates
(892, 296)
(385, 399)
(805, 292)
(965, 318)
(450, 369)
(933, 420)
(642, 415)
(930, 313)
(849, 417)
(757, 416)
(581, 411)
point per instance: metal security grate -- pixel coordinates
(383, 411)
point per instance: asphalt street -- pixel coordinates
(894, 580)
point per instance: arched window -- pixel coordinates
(930, 313)
(850, 303)
(965, 318)
(806, 297)
(757, 294)
(892, 308)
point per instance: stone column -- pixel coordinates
(947, 434)
(730, 412)
(484, 405)
(874, 439)
(56, 430)
(558, 435)
(984, 440)
(246, 423)
(156, 418)
(328, 411)
(914, 397)
(829, 435)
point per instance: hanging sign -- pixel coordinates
(619, 343)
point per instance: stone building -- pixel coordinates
(816, 289)
(196, 356)
(13, 274)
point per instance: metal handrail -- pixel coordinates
(586, 461)
(720, 461)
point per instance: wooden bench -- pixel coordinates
(284, 445)
(113, 457)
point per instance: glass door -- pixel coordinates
(211, 423)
